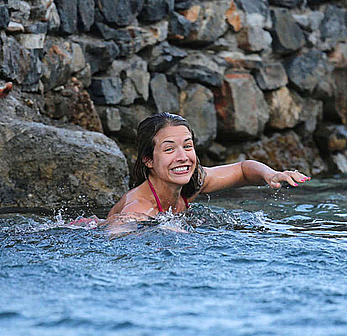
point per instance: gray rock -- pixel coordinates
(106, 32)
(201, 24)
(197, 106)
(201, 68)
(85, 11)
(106, 90)
(20, 10)
(110, 119)
(333, 28)
(37, 28)
(228, 42)
(31, 82)
(240, 61)
(340, 159)
(78, 61)
(164, 56)
(156, 10)
(120, 12)
(286, 151)
(285, 108)
(241, 108)
(130, 118)
(135, 78)
(56, 63)
(17, 63)
(271, 76)
(331, 138)
(164, 94)
(182, 4)
(62, 167)
(335, 107)
(309, 21)
(287, 35)
(287, 3)
(254, 38)
(85, 76)
(180, 27)
(307, 70)
(71, 103)
(99, 54)
(32, 41)
(217, 152)
(257, 12)
(15, 27)
(133, 39)
(311, 115)
(67, 10)
(52, 16)
(4, 17)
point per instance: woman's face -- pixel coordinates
(174, 158)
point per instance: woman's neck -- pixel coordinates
(168, 194)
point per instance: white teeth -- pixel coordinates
(179, 169)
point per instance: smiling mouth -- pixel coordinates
(183, 169)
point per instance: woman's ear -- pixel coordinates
(147, 162)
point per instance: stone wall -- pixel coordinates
(261, 79)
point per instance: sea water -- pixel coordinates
(248, 261)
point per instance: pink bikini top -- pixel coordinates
(157, 198)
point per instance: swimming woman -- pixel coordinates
(168, 174)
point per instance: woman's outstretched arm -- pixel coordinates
(248, 172)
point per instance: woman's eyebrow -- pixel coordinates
(172, 141)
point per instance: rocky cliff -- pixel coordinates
(263, 79)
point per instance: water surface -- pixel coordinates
(254, 262)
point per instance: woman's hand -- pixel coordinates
(289, 176)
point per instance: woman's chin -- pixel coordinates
(181, 178)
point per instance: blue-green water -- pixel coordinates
(255, 262)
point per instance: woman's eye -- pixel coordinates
(168, 149)
(188, 146)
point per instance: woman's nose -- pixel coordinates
(181, 155)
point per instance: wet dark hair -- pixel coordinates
(146, 131)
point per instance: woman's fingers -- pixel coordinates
(289, 176)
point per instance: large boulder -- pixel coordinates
(201, 24)
(286, 151)
(287, 34)
(134, 78)
(4, 17)
(130, 117)
(288, 109)
(132, 39)
(308, 70)
(197, 106)
(257, 13)
(287, 3)
(119, 12)
(48, 167)
(241, 108)
(163, 56)
(203, 68)
(67, 10)
(71, 103)
(19, 64)
(156, 10)
(98, 53)
(85, 11)
(271, 76)
(164, 94)
(333, 28)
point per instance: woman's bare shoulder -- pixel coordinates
(134, 201)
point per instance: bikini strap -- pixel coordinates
(158, 200)
(155, 196)
(185, 202)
